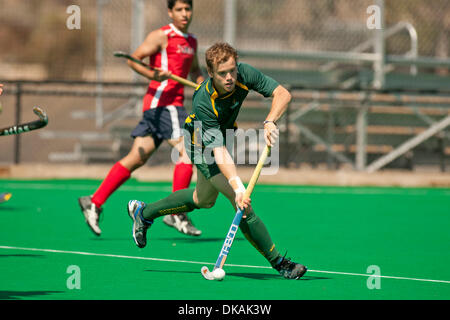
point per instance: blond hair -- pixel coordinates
(219, 53)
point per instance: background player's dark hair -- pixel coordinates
(171, 3)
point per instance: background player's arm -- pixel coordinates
(154, 42)
(196, 72)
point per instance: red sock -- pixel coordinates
(182, 175)
(115, 178)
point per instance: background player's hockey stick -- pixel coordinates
(218, 273)
(29, 126)
(183, 81)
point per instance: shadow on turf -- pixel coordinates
(267, 276)
(194, 239)
(96, 238)
(171, 271)
(259, 276)
(187, 239)
(253, 275)
(16, 295)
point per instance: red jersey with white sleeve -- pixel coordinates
(177, 58)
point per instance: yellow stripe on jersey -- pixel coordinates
(228, 95)
(243, 86)
(213, 103)
(189, 118)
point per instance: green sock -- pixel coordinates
(177, 202)
(256, 233)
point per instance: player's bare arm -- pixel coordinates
(154, 42)
(195, 72)
(224, 162)
(281, 99)
(228, 169)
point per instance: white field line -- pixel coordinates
(209, 263)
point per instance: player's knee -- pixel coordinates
(139, 162)
(206, 204)
(138, 158)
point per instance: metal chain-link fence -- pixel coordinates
(36, 43)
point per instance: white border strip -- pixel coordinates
(209, 263)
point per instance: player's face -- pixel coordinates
(224, 76)
(181, 15)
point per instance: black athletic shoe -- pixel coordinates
(140, 225)
(289, 269)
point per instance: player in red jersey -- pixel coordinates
(172, 51)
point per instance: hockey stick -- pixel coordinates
(183, 81)
(29, 126)
(218, 273)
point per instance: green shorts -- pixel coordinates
(204, 161)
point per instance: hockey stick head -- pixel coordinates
(120, 54)
(41, 114)
(29, 126)
(217, 274)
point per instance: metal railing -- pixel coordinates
(366, 45)
(308, 103)
(21, 88)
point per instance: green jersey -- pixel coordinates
(218, 113)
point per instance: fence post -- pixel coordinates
(330, 136)
(361, 134)
(230, 21)
(99, 65)
(18, 116)
(379, 73)
(137, 37)
(441, 143)
(286, 152)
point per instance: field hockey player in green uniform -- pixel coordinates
(216, 104)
